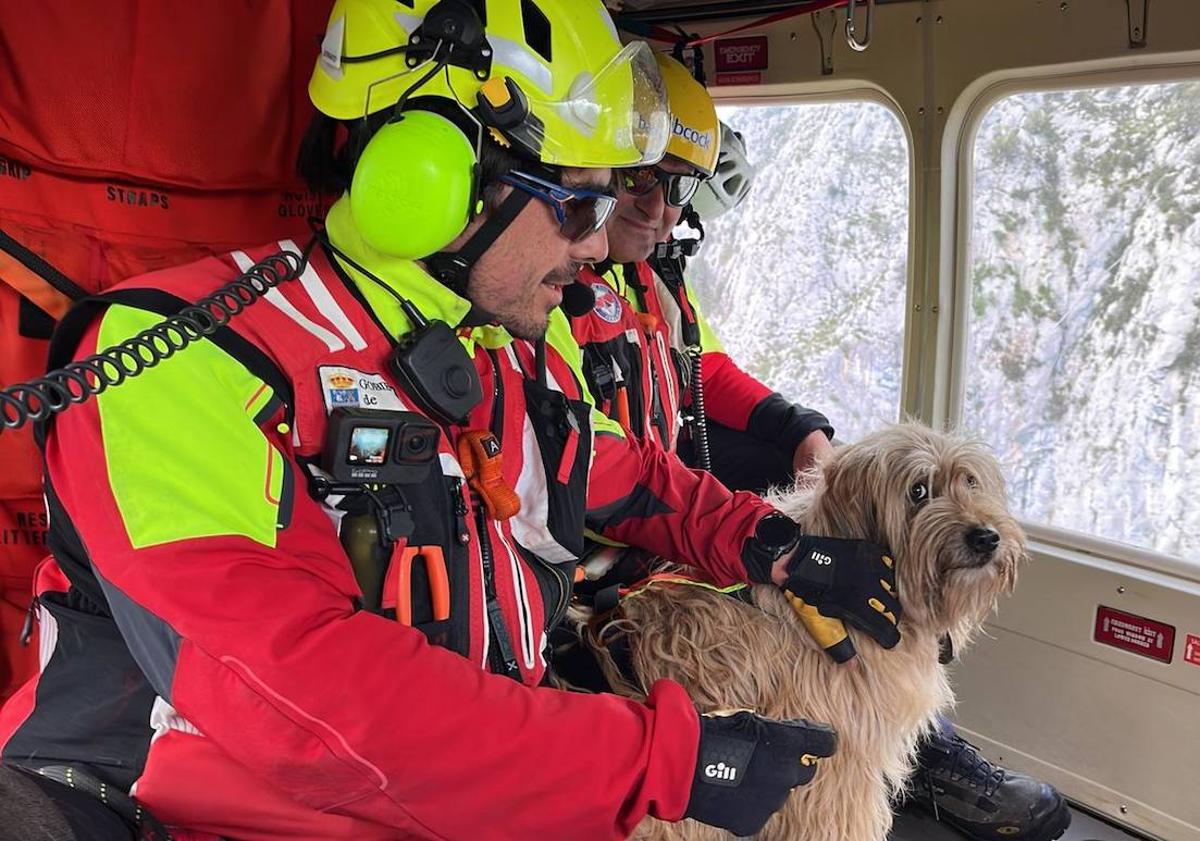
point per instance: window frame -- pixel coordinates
(957, 157)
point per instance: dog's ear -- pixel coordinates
(846, 500)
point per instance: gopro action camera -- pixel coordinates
(379, 447)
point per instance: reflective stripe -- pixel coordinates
(450, 466)
(410, 23)
(551, 380)
(164, 718)
(277, 299)
(323, 300)
(523, 60)
(511, 352)
(524, 612)
(47, 636)
(672, 409)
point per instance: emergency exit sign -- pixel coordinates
(1135, 634)
(738, 55)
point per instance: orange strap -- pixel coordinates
(482, 462)
(648, 321)
(33, 287)
(566, 462)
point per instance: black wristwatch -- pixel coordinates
(775, 536)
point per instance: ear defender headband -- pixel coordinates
(416, 186)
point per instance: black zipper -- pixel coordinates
(501, 658)
(461, 533)
(30, 620)
(656, 407)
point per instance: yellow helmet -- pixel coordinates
(583, 99)
(695, 129)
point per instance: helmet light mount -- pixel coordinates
(456, 24)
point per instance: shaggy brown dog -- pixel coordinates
(938, 502)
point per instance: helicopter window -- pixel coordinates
(805, 281)
(1083, 356)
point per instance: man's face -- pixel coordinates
(520, 279)
(641, 222)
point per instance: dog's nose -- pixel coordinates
(983, 539)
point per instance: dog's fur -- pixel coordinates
(728, 654)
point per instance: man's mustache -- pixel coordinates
(564, 274)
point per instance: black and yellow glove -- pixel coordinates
(850, 581)
(747, 765)
(830, 581)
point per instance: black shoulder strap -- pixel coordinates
(670, 269)
(41, 267)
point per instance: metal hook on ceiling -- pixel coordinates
(851, 34)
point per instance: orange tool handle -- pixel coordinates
(623, 408)
(439, 582)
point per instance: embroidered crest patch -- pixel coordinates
(608, 303)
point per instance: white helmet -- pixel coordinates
(734, 176)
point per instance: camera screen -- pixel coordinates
(368, 445)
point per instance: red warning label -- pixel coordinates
(1191, 650)
(754, 78)
(1137, 634)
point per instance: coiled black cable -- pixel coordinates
(699, 421)
(79, 381)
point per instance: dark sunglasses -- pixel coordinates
(678, 189)
(580, 212)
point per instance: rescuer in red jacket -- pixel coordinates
(304, 571)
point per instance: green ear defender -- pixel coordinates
(418, 157)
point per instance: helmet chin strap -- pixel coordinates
(453, 268)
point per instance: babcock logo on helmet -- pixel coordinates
(691, 135)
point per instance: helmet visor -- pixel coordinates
(616, 116)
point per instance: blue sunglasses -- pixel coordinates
(580, 212)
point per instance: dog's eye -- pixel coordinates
(919, 492)
(972, 482)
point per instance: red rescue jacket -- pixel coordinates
(209, 596)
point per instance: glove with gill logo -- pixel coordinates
(747, 765)
(829, 581)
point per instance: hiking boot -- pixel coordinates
(984, 801)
